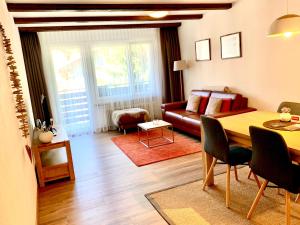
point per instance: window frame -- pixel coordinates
(103, 99)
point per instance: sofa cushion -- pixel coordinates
(213, 106)
(194, 116)
(193, 103)
(236, 98)
(181, 112)
(175, 116)
(226, 105)
(237, 103)
(203, 104)
(192, 121)
(244, 103)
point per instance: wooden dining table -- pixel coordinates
(237, 130)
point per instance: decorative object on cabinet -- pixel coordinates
(53, 160)
(231, 45)
(45, 136)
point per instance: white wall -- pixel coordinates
(268, 72)
(18, 188)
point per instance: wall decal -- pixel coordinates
(15, 85)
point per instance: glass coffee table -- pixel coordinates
(154, 125)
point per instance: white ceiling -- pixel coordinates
(101, 12)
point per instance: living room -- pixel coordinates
(113, 171)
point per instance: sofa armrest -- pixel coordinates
(173, 105)
(232, 113)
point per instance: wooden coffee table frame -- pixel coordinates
(146, 141)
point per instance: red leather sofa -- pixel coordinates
(190, 122)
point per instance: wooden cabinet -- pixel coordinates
(53, 160)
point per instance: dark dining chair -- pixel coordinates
(295, 110)
(271, 161)
(294, 106)
(217, 145)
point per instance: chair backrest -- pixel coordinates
(294, 106)
(215, 140)
(270, 157)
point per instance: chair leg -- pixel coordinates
(297, 197)
(228, 186)
(288, 207)
(236, 174)
(249, 175)
(209, 173)
(256, 200)
(257, 182)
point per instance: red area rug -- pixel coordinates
(140, 155)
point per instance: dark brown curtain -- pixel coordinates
(35, 75)
(173, 80)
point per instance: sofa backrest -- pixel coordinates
(238, 101)
(201, 93)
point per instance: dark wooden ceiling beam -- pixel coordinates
(30, 7)
(97, 27)
(30, 20)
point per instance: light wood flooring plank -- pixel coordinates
(109, 189)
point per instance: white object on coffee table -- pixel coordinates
(155, 124)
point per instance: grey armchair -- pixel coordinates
(294, 106)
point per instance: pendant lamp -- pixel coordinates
(286, 25)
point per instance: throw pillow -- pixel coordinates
(203, 104)
(236, 103)
(226, 105)
(214, 106)
(193, 103)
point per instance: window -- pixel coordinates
(71, 89)
(92, 73)
(122, 69)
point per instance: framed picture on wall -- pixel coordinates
(231, 46)
(202, 48)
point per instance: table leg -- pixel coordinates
(207, 161)
(39, 166)
(148, 139)
(139, 133)
(70, 160)
(172, 133)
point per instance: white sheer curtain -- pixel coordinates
(90, 74)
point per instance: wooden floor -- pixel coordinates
(109, 189)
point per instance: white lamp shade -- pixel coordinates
(286, 25)
(179, 65)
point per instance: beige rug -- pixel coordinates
(188, 205)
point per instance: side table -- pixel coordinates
(54, 159)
